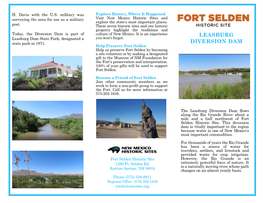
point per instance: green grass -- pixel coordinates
(219, 91)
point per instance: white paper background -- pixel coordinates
(188, 183)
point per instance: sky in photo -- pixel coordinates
(58, 162)
(188, 62)
(25, 62)
(50, 109)
(129, 110)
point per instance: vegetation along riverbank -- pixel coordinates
(72, 126)
(25, 122)
(220, 91)
(22, 122)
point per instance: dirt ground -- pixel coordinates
(124, 132)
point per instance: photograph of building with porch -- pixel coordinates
(46, 73)
(51, 69)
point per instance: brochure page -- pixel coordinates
(153, 99)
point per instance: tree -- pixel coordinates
(21, 75)
(214, 73)
(17, 166)
(28, 157)
(79, 73)
(79, 68)
(117, 122)
(34, 74)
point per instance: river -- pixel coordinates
(197, 80)
(46, 132)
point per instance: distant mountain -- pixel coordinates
(74, 115)
(105, 122)
(221, 69)
(227, 69)
(23, 172)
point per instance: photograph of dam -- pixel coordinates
(214, 76)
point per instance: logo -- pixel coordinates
(114, 149)
(133, 149)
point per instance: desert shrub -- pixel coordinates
(181, 72)
(21, 75)
(188, 93)
(221, 91)
(41, 122)
(246, 76)
(213, 73)
(241, 90)
(36, 84)
(74, 75)
(56, 78)
(14, 134)
(20, 126)
(72, 126)
(22, 121)
(79, 73)
(62, 79)
(32, 124)
(76, 130)
(15, 114)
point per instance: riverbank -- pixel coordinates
(219, 91)
(71, 126)
(214, 86)
(23, 122)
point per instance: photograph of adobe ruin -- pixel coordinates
(131, 118)
(54, 73)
